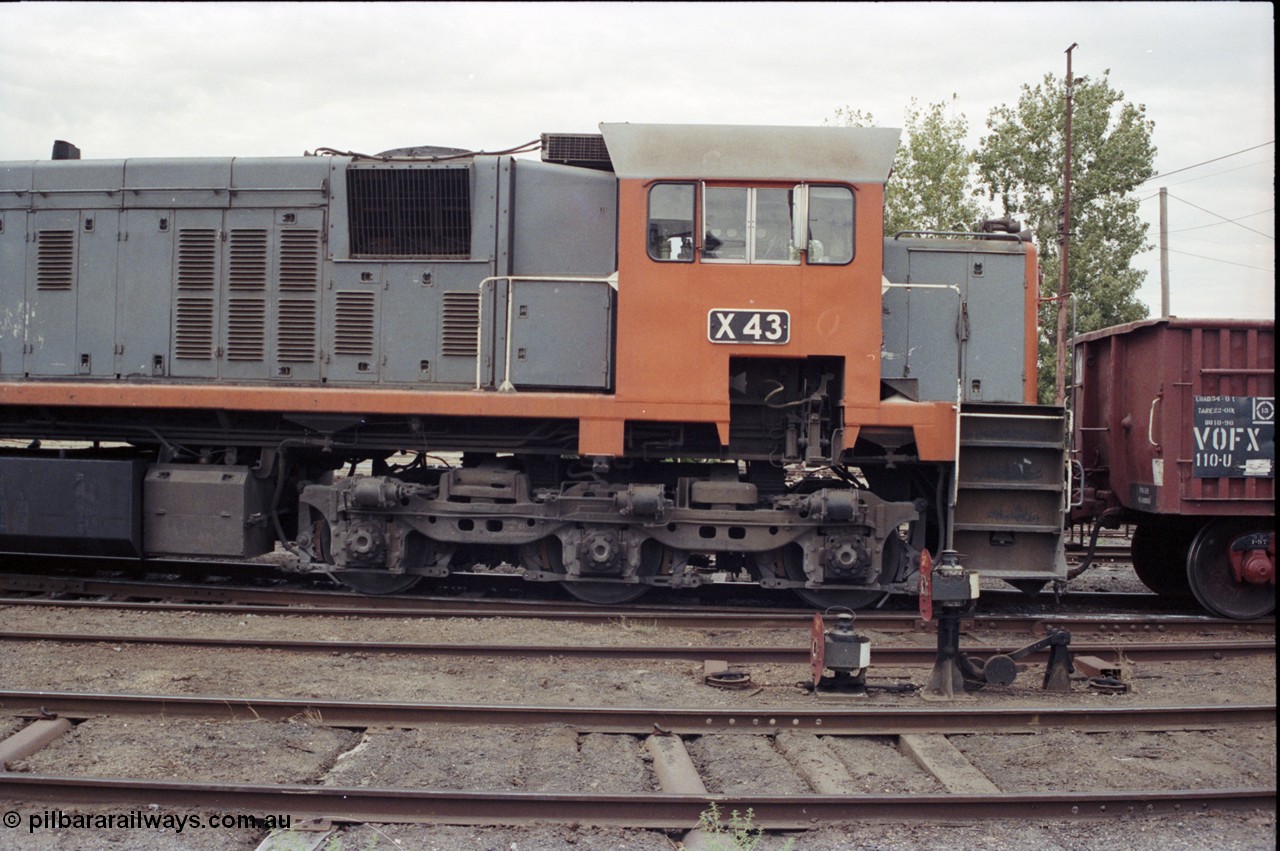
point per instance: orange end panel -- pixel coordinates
(1031, 369)
(933, 424)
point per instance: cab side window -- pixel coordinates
(831, 223)
(671, 222)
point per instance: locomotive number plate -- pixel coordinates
(767, 327)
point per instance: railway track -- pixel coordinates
(669, 811)
(1162, 651)
(682, 795)
(155, 596)
(693, 618)
(865, 721)
(676, 798)
(271, 585)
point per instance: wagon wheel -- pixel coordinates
(788, 563)
(546, 555)
(1210, 576)
(1159, 554)
(372, 582)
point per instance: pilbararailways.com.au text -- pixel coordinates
(142, 820)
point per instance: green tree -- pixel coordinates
(932, 185)
(1020, 164)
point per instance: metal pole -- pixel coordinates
(1164, 251)
(1064, 250)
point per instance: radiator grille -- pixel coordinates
(246, 329)
(296, 331)
(193, 331)
(410, 212)
(460, 324)
(299, 260)
(197, 258)
(354, 323)
(247, 262)
(55, 259)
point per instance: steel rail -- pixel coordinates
(688, 617)
(41, 583)
(947, 719)
(651, 810)
(320, 604)
(880, 654)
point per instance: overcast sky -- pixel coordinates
(132, 80)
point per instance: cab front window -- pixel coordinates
(751, 224)
(747, 225)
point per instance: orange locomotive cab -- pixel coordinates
(749, 262)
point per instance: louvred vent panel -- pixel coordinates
(296, 331)
(55, 259)
(354, 323)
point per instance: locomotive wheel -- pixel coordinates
(376, 582)
(1159, 553)
(788, 562)
(372, 582)
(1211, 579)
(546, 555)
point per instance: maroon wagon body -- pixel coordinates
(1177, 416)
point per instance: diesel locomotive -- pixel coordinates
(661, 355)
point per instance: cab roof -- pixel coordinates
(751, 152)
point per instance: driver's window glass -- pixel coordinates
(831, 229)
(772, 231)
(744, 224)
(671, 222)
(725, 221)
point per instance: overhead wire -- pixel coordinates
(1219, 215)
(1230, 221)
(1215, 260)
(1206, 162)
(1225, 220)
(1218, 173)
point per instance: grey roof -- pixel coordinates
(751, 152)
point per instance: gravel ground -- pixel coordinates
(562, 760)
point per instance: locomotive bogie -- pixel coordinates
(628, 533)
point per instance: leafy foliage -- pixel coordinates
(1020, 164)
(932, 185)
(939, 184)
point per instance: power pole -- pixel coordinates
(1164, 251)
(1064, 251)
